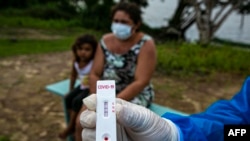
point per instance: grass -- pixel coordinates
(173, 57)
(13, 45)
(13, 31)
(4, 138)
(188, 59)
(23, 21)
(20, 47)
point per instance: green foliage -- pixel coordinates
(17, 21)
(143, 3)
(97, 16)
(193, 59)
(22, 4)
(14, 3)
(244, 8)
(52, 11)
(47, 10)
(4, 138)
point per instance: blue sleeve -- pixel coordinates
(209, 125)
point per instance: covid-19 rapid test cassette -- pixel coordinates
(105, 111)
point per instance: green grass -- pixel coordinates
(20, 47)
(13, 42)
(173, 57)
(4, 138)
(188, 59)
(17, 21)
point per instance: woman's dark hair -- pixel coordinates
(132, 9)
(83, 39)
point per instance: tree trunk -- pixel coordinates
(208, 26)
(176, 19)
(204, 36)
(176, 30)
(203, 21)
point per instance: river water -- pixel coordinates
(159, 11)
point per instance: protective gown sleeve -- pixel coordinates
(209, 125)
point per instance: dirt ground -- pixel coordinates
(30, 113)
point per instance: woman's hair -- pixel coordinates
(84, 39)
(132, 9)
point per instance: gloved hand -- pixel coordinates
(135, 123)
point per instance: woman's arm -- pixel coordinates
(97, 69)
(144, 71)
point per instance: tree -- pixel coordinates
(209, 15)
(181, 21)
(183, 18)
(207, 23)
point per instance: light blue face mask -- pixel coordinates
(121, 31)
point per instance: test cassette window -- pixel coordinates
(105, 108)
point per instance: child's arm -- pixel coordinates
(73, 77)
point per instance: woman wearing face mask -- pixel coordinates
(127, 56)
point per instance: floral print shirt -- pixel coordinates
(121, 68)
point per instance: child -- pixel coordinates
(83, 50)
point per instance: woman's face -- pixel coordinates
(124, 18)
(123, 27)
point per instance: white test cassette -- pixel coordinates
(106, 117)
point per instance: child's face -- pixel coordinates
(84, 52)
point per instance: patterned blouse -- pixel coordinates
(121, 68)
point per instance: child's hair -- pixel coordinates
(84, 39)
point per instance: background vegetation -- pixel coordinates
(175, 58)
(186, 59)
